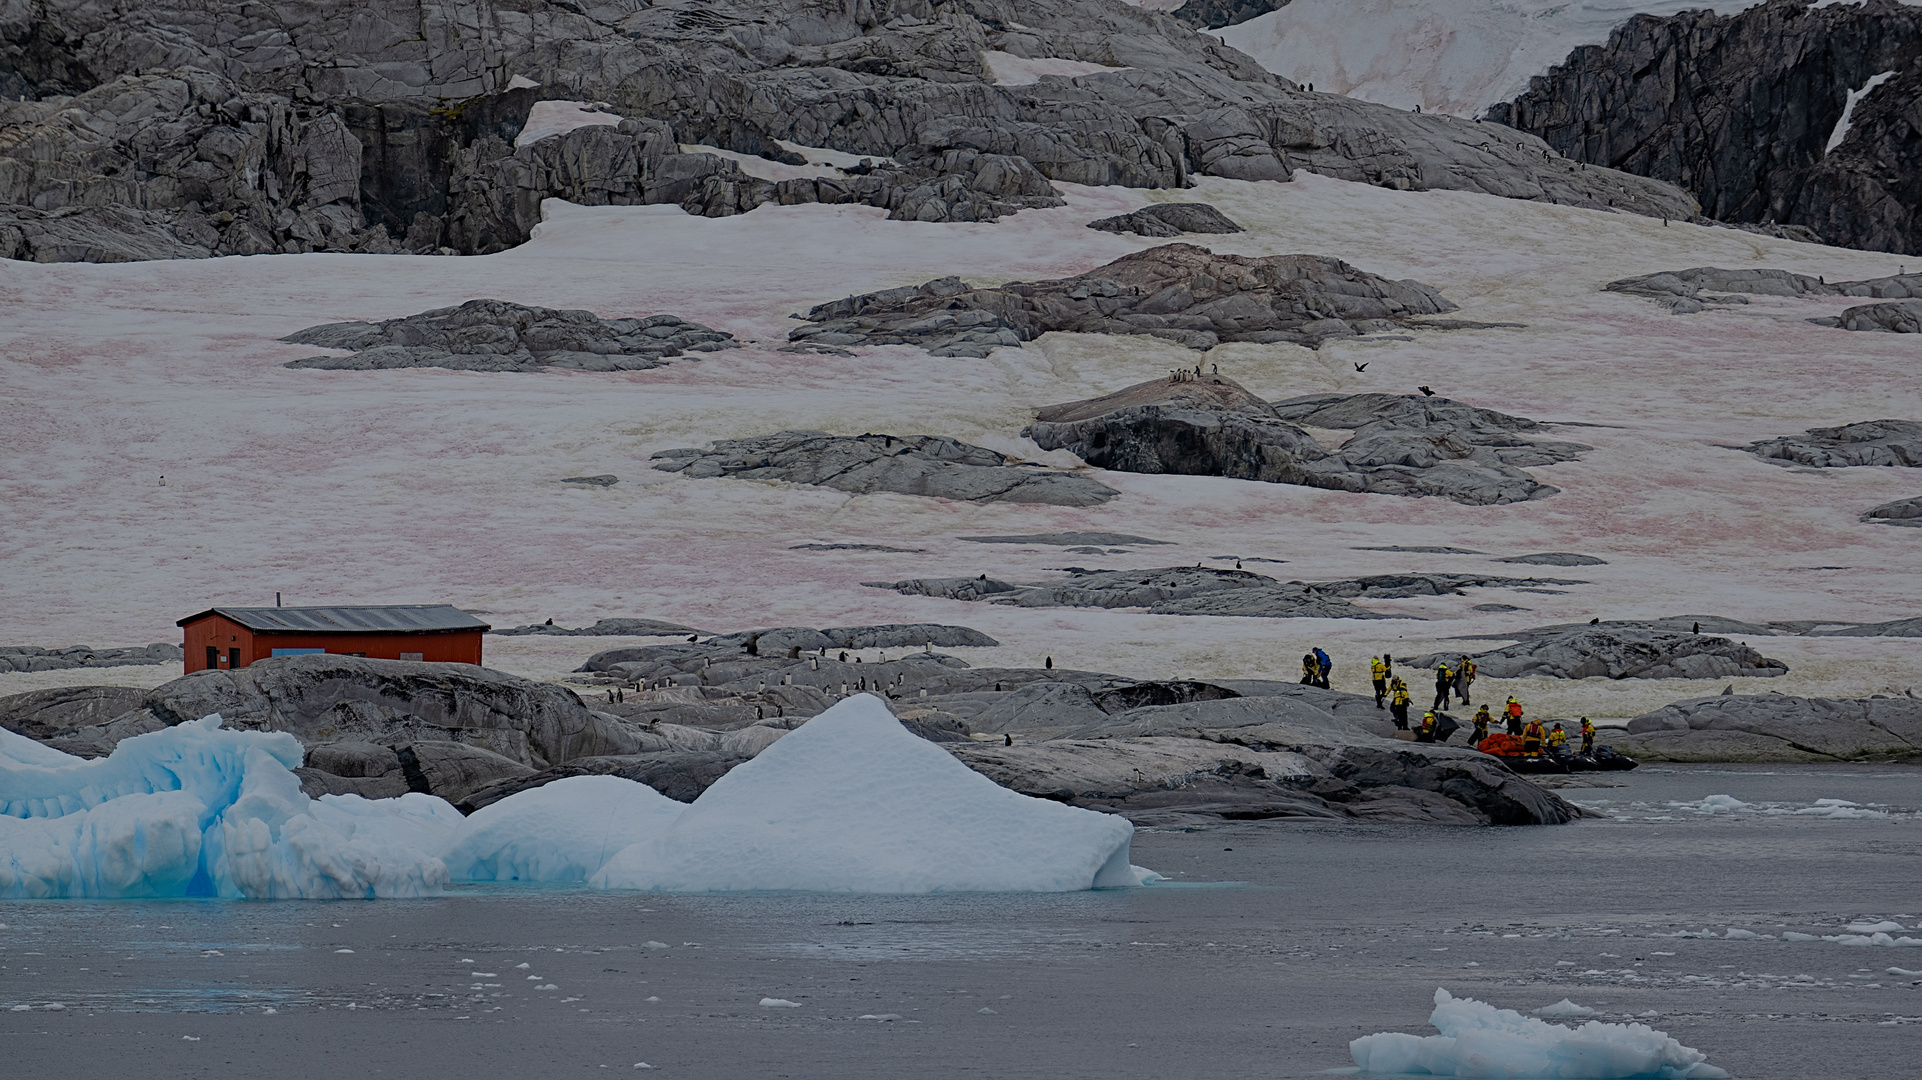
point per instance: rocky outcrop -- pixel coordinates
(1900, 512)
(1618, 652)
(1214, 14)
(392, 125)
(618, 627)
(1179, 292)
(494, 335)
(1169, 219)
(1556, 558)
(1872, 442)
(1894, 317)
(1685, 292)
(35, 658)
(43, 714)
(1777, 727)
(1182, 590)
(1066, 539)
(1740, 111)
(929, 465)
(1212, 426)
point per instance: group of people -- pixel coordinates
(1457, 680)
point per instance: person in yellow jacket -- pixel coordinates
(1398, 702)
(1482, 720)
(1464, 679)
(1588, 736)
(1444, 681)
(1513, 711)
(1532, 738)
(1557, 741)
(1426, 732)
(1378, 672)
(1310, 670)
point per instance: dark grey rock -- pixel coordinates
(1872, 442)
(494, 335)
(1212, 426)
(1213, 14)
(1178, 292)
(1894, 628)
(1182, 590)
(1894, 317)
(386, 126)
(453, 770)
(1619, 653)
(1169, 219)
(1738, 110)
(353, 759)
(1424, 549)
(1778, 727)
(35, 658)
(601, 480)
(1496, 607)
(1064, 539)
(315, 782)
(928, 465)
(1687, 291)
(43, 714)
(618, 627)
(1713, 624)
(1556, 558)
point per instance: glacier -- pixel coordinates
(1477, 1039)
(853, 802)
(849, 802)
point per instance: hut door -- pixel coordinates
(213, 658)
(233, 658)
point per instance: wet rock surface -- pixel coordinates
(1739, 110)
(390, 126)
(494, 335)
(1182, 590)
(1178, 292)
(929, 465)
(1779, 728)
(1618, 652)
(1872, 442)
(1212, 426)
(36, 658)
(1169, 219)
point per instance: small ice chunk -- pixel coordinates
(1565, 1010)
(1735, 934)
(985, 1011)
(1905, 973)
(659, 945)
(1478, 1039)
(1791, 935)
(879, 1016)
(653, 999)
(522, 967)
(54, 1006)
(1723, 804)
(779, 1003)
(338, 951)
(190, 1038)
(549, 986)
(642, 1065)
(1883, 927)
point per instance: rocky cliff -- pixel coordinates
(1747, 113)
(195, 127)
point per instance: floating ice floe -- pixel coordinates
(562, 831)
(199, 811)
(853, 802)
(1565, 1010)
(850, 802)
(1478, 1039)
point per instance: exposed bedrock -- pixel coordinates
(42, 714)
(1894, 317)
(617, 627)
(1066, 539)
(1199, 590)
(1686, 292)
(1900, 512)
(1871, 442)
(1618, 652)
(495, 335)
(929, 465)
(1180, 292)
(1212, 426)
(1215, 14)
(1740, 111)
(1777, 727)
(1169, 219)
(36, 658)
(391, 124)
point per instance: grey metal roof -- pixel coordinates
(371, 618)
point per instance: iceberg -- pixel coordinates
(853, 802)
(197, 810)
(1478, 1039)
(562, 831)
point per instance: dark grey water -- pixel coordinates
(1320, 934)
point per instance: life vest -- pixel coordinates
(1514, 707)
(1532, 737)
(1401, 695)
(1378, 669)
(1588, 730)
(1557, 737)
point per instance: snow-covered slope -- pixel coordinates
(429, 485)
(1452, 56)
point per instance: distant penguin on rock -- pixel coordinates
(1050, 663)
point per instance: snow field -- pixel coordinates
(1478, 1039)
(430, 485)
(848, 802)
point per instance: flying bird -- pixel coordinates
(1426, 391)
(1362, 367)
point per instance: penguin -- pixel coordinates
(1006, 739)
(1050, 663)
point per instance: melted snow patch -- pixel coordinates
(549, 118)
(1011, 70)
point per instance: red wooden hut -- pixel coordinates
(229, 638)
